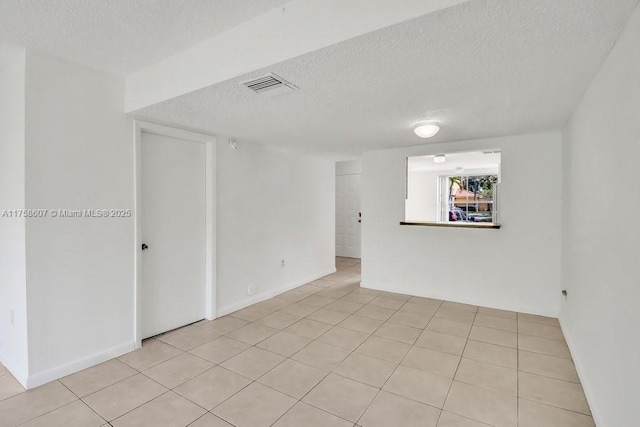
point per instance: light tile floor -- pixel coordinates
(328, 353)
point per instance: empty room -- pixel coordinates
(345, 213)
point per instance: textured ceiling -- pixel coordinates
(121, 36)
(484, 68)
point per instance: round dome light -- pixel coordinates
(426, 130)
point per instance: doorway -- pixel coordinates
(348, 213)
(175, 259)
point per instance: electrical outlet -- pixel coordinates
(282, 263)
(12, 316)
(251, 289)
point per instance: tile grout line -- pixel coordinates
(78, 399)
(91, 409)
(351, 379)
(266, 372)
(389, 377)
(300, 400)
(320, 289)
(556, 407)
(372, 334)
(394, 371)
(354, 351)
(346, 357)
(142, 404)
(200, 417)
(118, 382)
(168, 389)
(456, 371)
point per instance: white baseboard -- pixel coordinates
(420, 293)
(270, 294)
(12, 366)
(60, 371)
(595, 413)
(40, 378)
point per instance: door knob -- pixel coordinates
(145, 247)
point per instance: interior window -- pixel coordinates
(453, 187)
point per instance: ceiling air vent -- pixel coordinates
(270, 84)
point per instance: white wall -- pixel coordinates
(422, 195)
(76, 152)
(13, 294)
(79, 155)
(515, 268)
(348, 167)
(601, 315)
(271, 205)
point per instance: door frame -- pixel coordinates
(210, 215)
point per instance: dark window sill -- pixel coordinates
(489, 225)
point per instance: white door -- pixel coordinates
(173, 229)
(348, 216)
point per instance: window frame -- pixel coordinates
(444, 197)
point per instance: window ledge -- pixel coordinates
(490, 225)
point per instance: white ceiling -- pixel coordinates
(121, 36)
(484, 68)
(469, 161)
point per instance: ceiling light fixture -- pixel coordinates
(439, 158)
(426, 130)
